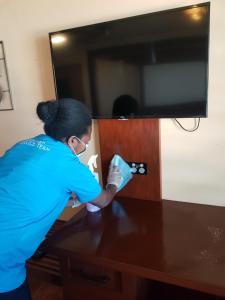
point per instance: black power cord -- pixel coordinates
(188, 130)
(1, 94)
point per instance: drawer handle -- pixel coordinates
(94, 278)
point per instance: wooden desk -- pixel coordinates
(130, 247)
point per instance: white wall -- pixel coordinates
(193, 166)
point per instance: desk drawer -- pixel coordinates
(90, 274)
(84, 281)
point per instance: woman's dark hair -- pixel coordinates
(64, 118)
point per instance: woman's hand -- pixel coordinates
(114, 176)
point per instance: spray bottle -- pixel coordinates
(92, 165)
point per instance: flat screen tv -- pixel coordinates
(148, 66)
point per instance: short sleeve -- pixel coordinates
(83, 183)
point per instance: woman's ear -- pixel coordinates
(72, 144)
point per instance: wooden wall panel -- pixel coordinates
(135, 140)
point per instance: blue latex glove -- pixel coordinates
(124, 170)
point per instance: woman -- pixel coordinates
(37, 177)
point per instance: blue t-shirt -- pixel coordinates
(37, 177)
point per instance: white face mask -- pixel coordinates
(82, 152)
(85, 147)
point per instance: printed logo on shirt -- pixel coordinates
(37, 144)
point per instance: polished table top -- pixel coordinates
(173, 242)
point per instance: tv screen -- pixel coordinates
(149, 66)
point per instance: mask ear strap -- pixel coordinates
(70, 145)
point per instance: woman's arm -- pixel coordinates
(113, 182)
(106, 196)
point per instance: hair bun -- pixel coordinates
(47, 111)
